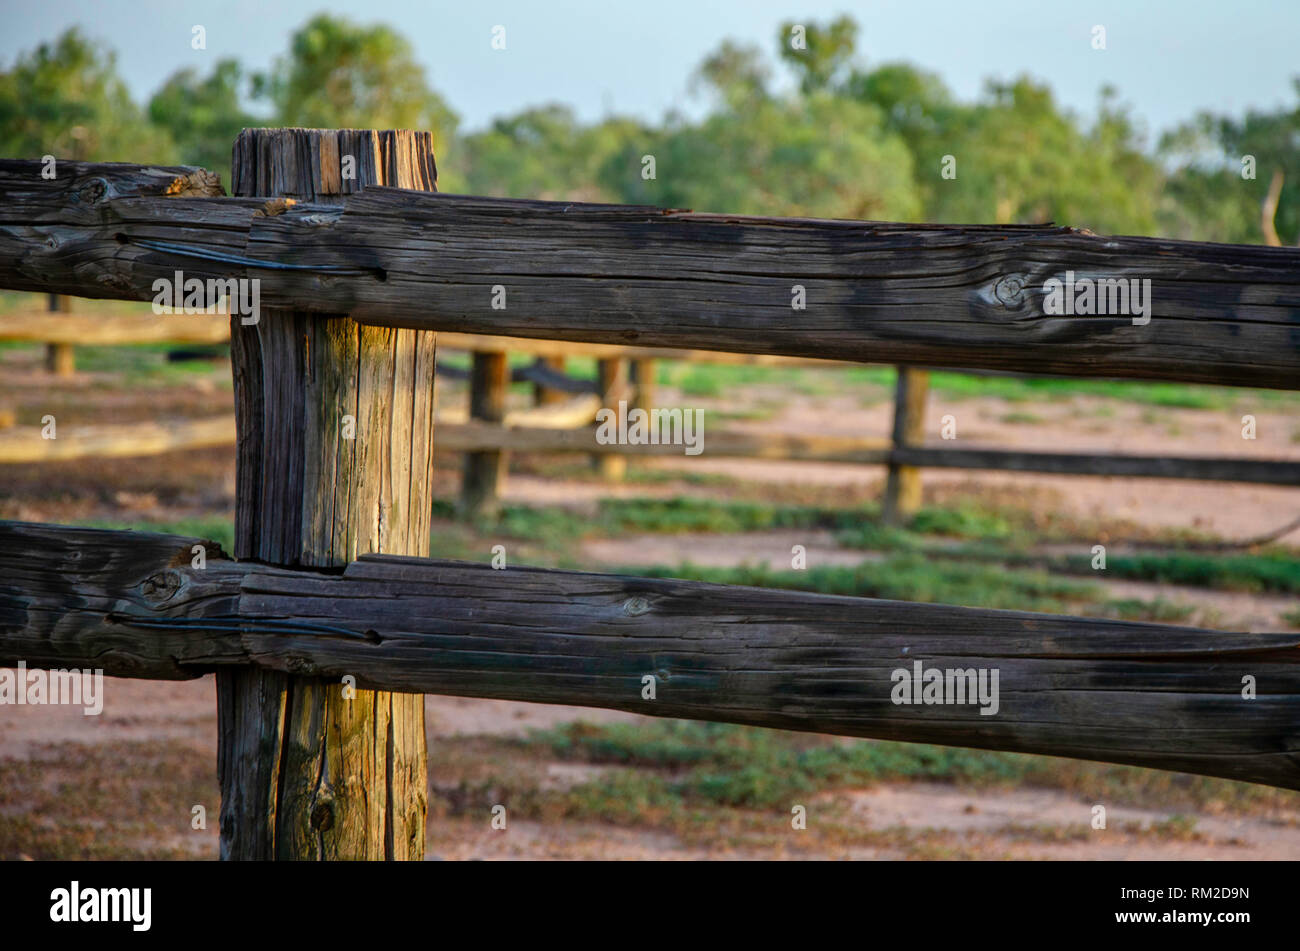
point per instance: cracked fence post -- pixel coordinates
(334, 460)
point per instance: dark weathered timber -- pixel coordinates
(1207, 468)
(1147, 694)
(903, 483)
(85, 597)
(962, 296)
(334, 460)
(66, 235)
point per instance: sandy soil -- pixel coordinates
(1015, 823)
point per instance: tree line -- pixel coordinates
(845, 138)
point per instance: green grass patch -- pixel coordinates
(908, 577)
(675, 768)
(1275, 570)
(214, 528)
(686, 514)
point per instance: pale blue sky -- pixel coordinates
(1168, 58)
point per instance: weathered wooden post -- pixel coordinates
(484, 473)
(643, 378)
(335, 441)
(903, 485)
(612, 385)
(544, 395)
(60, 358)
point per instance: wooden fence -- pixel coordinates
(328, 581)
(487, 433)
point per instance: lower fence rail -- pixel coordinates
(1156, 695)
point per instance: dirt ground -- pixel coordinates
(1024, 823)
(1004, 823)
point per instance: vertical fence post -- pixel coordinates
(60, 359)
(334, 460)
(612, 385)
(643, 378)
(484, 474)
(903, 485)
(544, 395)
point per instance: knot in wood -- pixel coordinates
(322, 817)
(633, 607)
(162, 585)
(91, 192)
(1011, 290)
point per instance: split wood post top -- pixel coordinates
(335, 447)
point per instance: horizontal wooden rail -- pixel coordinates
(110, 330)
(27, 444)
(1207, 468)
(480, 437)
(1146, 694)
(920, 295)
(610, 351)
(547, 429)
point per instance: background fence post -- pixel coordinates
(484, 473)
(612, 385)
(903, 484)
(334, 455)
(643, 379)
(60, 358)
(544, 395)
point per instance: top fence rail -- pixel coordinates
(1034, 299)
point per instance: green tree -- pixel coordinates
(546, 153)
(735, 75)
(917, 106)
(1236, 179)
(203, 115)
(1016, 157)
(819, 55)
(817, 154)
(66, 99)
(341, 75)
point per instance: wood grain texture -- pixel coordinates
(1146, 694)
(961, 296)
(334, 459)
(947, 296)
(84, 597)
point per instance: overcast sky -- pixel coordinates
(1168, 58)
